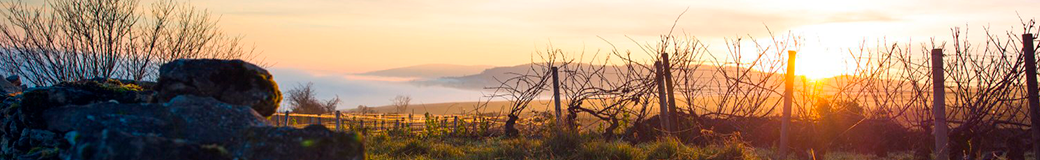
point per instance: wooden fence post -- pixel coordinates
(556, 98)
(339, 122)
(319, 119)
(785, 123)
(1031, 83)
(362, 127)
(673, 115)
(662, 98)
(455, 125)
(939, 105)
(287, 118)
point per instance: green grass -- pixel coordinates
(567, 146)
(570, 147)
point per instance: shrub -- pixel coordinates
(71, 40)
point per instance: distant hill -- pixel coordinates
(488, 77)
(429, 71)
(456, 107)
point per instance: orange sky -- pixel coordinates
(362, 35)
(352, 36)
(322, 40)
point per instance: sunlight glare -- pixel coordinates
(816, 63)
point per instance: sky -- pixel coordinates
(362, 35)
(325, 41)
(321, 40)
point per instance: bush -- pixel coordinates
(60, 41)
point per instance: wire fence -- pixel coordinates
(384, 123)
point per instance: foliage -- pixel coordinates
(435, 126)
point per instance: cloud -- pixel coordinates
(859, 17)
(354, 92)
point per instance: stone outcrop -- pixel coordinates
(231, 81)
(8, 87)
(198, 110)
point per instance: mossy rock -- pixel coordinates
(231, 81)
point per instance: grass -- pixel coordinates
(569, 147)
(565, 146)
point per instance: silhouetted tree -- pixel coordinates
(303, 99)
(400, 103)
(363, 109)
(69, 40)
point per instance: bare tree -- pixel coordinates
(303, 99)
(331, 104)
(400, 103)
(68, 40)
(520, 91)
(363, 109)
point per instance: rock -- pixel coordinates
(33, 102)
(124, 91)
(23, 127)
(193, 120)
(8, 88)
(115, 145)
(232, 81)
(287, 143)
(199, 109)
(14, 79)
(200, 119)
(36, 137)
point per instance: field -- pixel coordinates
(395, 136)
(398, 136)
(569, 147)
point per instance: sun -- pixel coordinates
(816, 64)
